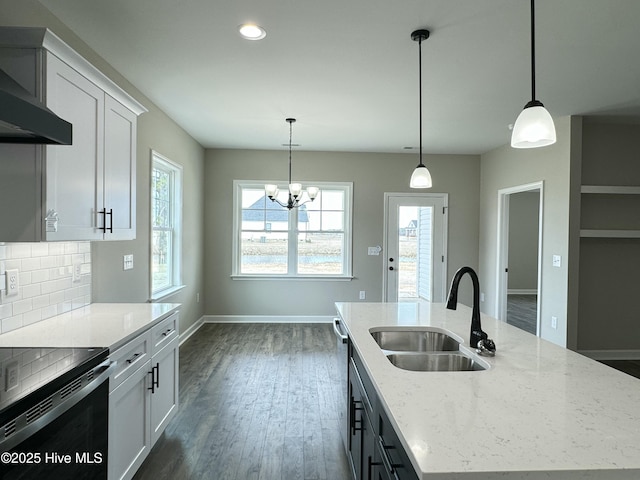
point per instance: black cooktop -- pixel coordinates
(29, 375)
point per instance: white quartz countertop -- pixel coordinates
(96, 325)
(540, 411)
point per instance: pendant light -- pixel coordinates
(296, 192)
(534, 126)
(420, 178)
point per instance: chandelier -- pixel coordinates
(296, 192)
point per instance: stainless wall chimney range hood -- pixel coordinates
(24, 119)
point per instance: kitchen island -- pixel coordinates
(539, 412)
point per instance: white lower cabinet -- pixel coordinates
(129, 420)
(143, 396)
(164, 396)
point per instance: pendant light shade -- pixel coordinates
(534, 126)
(421, 177)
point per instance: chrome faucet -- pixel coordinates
(479, 340)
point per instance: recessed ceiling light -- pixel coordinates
(251, 31)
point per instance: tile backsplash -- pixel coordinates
(47, 285)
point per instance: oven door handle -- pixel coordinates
(336, 330)
(101, 374)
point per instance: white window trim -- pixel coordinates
(348, 233)
(176, 281)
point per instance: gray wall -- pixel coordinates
(523, 240)
(372, 175)
(507, 167)
(155, 131)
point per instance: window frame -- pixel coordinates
(160, 162)
(346, 187)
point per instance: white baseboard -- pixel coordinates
(184, 336)
(611, 354)
(522, 291)
(268, 318)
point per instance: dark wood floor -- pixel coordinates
(631, 367)
(522, 312)
(258, 401)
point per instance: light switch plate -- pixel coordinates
(557, 261)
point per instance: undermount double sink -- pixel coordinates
(426, 349)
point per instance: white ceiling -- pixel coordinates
(348, 69)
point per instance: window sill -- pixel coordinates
(161, 295)
(331, 278)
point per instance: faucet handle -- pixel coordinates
(486, 347)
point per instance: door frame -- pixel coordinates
(444, 197)
(502, 257)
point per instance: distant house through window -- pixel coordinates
(312, 240)
(166, 216)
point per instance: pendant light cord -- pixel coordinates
(533, 52)
(420, 93)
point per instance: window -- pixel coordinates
(166, 215)
(313, 240)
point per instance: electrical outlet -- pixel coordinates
(554, 322)
(363, 294)
(128, 262)
(12, 373)
(13, 282)
(77, 271)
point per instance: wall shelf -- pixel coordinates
(610, 189)
(592, 233)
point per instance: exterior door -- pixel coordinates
(415, 247)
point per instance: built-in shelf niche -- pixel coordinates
(610, 211)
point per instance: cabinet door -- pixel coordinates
(72, 171)
(129, 417)
(164, 399)
(119, 170)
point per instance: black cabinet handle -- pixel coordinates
(133, 358)
(353, 420)
(370, 465)
(386, 461)
(155, 378)
(110, 213)
(104, 214)
(390, 268)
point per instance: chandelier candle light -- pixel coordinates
(295, 189)
(420, 178)
(534, 126)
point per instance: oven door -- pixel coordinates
(71, 444)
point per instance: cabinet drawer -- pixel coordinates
(164, 332)
(130, 357)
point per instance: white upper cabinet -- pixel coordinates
(83, 191)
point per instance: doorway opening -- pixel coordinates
(519, 256)
(415, 247)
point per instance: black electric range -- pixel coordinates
(54, 412)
